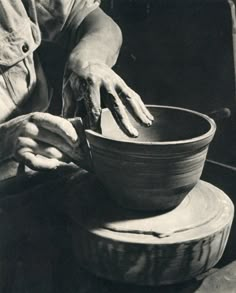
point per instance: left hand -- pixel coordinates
(86, 84)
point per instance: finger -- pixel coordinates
(57, 125)
(123, 87)
(143, 107)
(136, 103)
(44, 135)
(79, 127)
(68, 102)
(93, 106)
(119, 113)
(41, 149)
(134, 108)
(81, 155)
(37, 162)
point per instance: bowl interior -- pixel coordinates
(170, 124)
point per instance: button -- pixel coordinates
(25, 48)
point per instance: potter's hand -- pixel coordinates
(86, 84)
(41, 140)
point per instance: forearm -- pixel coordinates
(100, 41)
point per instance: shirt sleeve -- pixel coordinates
(57, 17)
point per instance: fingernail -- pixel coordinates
(148, 124)
(150, 116)
(73, 138)
(133, 132)
(146, 121)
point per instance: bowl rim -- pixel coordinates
(210, 132)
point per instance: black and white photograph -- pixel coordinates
(117, 146)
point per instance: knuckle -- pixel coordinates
(29, 129)
(136, 96)
(111, 79)
(21, 153)
(19, 142)
(63, 123)
(35, 115)
(66, 126)
(110, 83)
(25, 129)
(133, 100)
(50, 151)
(112, 93)
(53, 152)
(40, 116)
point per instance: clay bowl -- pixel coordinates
(156, 170)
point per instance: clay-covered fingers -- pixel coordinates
(81, 155)
(119, 113)
(56, 125)
(38, 155)
(44, 129)
(40, 134)
(93, 105)
(134, 103)
(120, 98)
(38, 162)
(40, 148)
(86, 84)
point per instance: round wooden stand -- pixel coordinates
(151, 249)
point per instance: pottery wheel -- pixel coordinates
(149, 248)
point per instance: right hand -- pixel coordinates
(86, 84)
(42, 141)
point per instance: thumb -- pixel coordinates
(82, 155)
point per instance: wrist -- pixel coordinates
(84, 54)
(80, 63)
